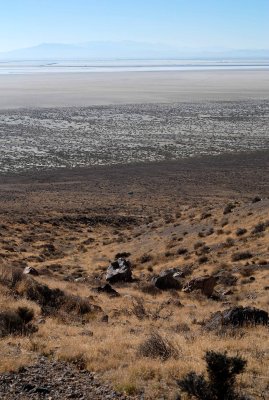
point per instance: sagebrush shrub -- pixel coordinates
(220, 382)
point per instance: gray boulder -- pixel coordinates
(119, 271)
(238, 317)
(168, 279)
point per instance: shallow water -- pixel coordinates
(8, 67)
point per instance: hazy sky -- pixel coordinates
(184, 23)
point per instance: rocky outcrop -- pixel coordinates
(168, 279)
(119, 271)
(238, 316)
(204, 283)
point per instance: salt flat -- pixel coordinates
(85, 89)
(48, 138)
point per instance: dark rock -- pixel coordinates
(227, 292)
(27, 387)
(168, 279)
(104, 319)
(256, 199)
(119, 271)
(204, 283)
(41, 390)
(240, 231)
(30, 271)
(228, 208)
(238, 317)
(226, 278)
(107, 288)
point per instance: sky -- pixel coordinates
(233, 24)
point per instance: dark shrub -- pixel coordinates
(256, 199)
(150, 288)
(145, 258)
(205, 215)
(229, 242)
(123, 254)
(226, 278)
(10, 276)
(244, 255)
(54, 300)
(228, 208)
(169, 254)
(259, 228)
(16, 322)
(198, 244)
(182, 251)
(202, 259)
(220, 385)
(240, 231)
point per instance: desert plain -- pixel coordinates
(167, 171)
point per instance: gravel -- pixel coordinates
(53, 380)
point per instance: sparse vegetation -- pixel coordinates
(229, 208)
(155, 346)
(242, 255)
(220, 385)
(16, 322)
(144, 338)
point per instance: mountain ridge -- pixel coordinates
(125, 50)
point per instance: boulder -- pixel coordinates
(238, 317)
(204, 283)
(108, 289)
(168, 279)
(119, 271)
(30, 271)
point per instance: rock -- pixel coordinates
(173, 302)
(108, 289)
(80, 280)
(41, 390)
(227, 292)
(119, 271)
(30, 271)
(204, 283)
(238, 316)
(27, 387)
(256, 199)
(49, 379)
(104, 319)
(168, 279)
(226, 278)
(86, 333)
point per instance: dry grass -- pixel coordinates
(150, 340)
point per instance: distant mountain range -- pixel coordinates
(125, 50)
